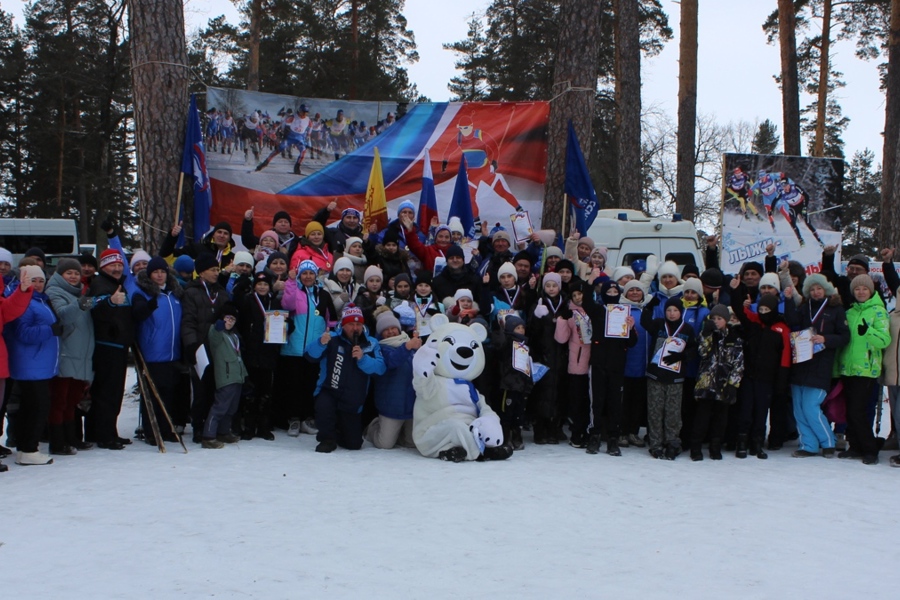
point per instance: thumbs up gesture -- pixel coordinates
(118, 298)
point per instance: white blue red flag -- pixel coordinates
(428, 198)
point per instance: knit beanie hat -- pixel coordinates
(456, 226)
(693, 284)
(373, 271)
(352, 240)
(712, 278)
(676, 302)
(204, 262)
(565, 264)
(554, 251)
(229, 309)
(406, 204)
(601, 250)
(456, 251)
(314, 226)
(769, 301)
(586, 241)
(183, 264)
(860, 260)
(37, 253)
(501, 235)
(307, 265)
(523, 255)
(281, 214)
(506, 268)
(462, 293)
(752, 266)
(634, 283)
(720, 310)
(863, 280)
(222, 225)
(386, 320)
(138, 256)
(270, 234)
(510, 322)
(402, 277)
(548, 277)
(424, 276)
(157, 263)
(273, 257)
(6, 256)
(111, 256)
(32, 272)
(352, 211)
(351, 314)
(89, 259)
(262, 276)
(406, 314)
(243, 258)
(342, 263)
(621, 272)
(689, 270)
(771, 280)
(819, 280)
(67, 264)
(391, 236)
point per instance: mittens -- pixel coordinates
(672, 358)
(541, 311)
(862, 328)
(57, 328)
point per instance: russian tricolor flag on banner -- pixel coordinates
(427, 199)
(193, 163)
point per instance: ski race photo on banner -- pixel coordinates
(791, 201)
(274, 152)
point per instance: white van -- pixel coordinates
(56, 237)
(630, 235)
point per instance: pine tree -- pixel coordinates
(471, 85)
(766, 139)
(861, 205)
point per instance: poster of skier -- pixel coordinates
(793, 202)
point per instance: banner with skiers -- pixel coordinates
(276, 152)
(793, 202)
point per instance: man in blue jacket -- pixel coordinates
(348, 360)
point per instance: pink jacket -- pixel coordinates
(579, 354)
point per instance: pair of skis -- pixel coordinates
(145, 381)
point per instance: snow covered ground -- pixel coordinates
(276, 520)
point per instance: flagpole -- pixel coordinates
(563, 233)
(178, 201)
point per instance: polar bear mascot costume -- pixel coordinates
(451, 420)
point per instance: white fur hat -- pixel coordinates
(243, 258)
(693, 284)
(771, 280)
(621, 272)
(456, 226)
(669, 268)
(462, 293)
(6, 256)
(140, 255)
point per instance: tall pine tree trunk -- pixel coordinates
(790, 87)
(687, 111)
(255, 23)
(574, 89)
(889, 231)
(628, 103)
(824, 64)
(160, 82)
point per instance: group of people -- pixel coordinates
(316, 334)
(257, 132)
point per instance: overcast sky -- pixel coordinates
(735, 63)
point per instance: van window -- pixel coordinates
(682, 258)
(50, 244)
(633, 256)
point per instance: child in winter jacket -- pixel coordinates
(516, 381)
(425, 304)
(348, 359)
(547, 403)
(673, 345)
(402, 292)
(341, 284)
(394, 396)
(464, 307)
(859, 365)
(718, 379)
(577, 331)
(225, 353)
(634, 390)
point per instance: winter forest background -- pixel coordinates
(67, 95)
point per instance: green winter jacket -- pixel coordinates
(225, 356)
(862, 356)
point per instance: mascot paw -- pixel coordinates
(455, 454)
(487, 431)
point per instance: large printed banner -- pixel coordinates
(791, 201)
(505, 146)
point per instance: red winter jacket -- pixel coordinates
(11, 308)
(426, 254)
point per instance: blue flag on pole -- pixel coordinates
(427, 199)
(578, 185)
(193, 163)
(461, 204)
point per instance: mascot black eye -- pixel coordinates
(450, 340)
(474, 345)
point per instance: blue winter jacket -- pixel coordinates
(308, 326)
(33, 349)
(394, 394)
(343, 374)
(159, 330)
(695, 317)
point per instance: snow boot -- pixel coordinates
(515, 438)
(455, 454)
(870, 459)
(558, 431)
(58, 443)
(612, 447)
(578, 440)
(501, 452)
(540, 433)
(549, 428)
(740, 450)
(73, 435)
(3, 468)
(33, 458)
(696, 453)
(326, 447)
(895, 461)
(803, 454)
(212, 444)
(672, 451)
(593, 445)
(715, 450)
(228, 438)
(757, 444)
(4, 452)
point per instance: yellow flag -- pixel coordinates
(375, 211)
